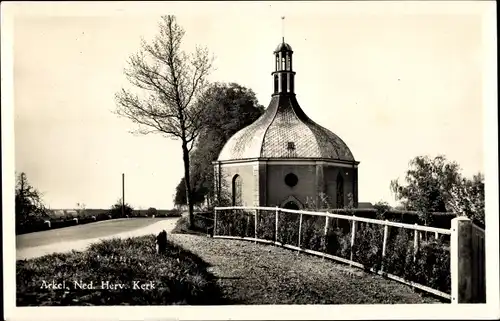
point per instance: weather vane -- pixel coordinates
(283, 28)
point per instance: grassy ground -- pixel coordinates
(178, 277)
(251, 273)
(81, 232)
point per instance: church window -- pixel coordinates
(276, 83)
(291, 179)
(282, 63)
(340, 191)
(291, 146)
(237, 189)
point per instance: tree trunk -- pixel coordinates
(187, 180)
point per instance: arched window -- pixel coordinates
(288, 66)
(276, 83)
(283, 66)
(340, 191)
(237, 185)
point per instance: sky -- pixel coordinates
(392, 80)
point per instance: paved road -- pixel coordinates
(31, 252)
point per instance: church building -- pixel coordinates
(284, 158)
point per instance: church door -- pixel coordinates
(291, 205)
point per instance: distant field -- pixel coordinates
(81, 232)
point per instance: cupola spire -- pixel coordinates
(283, 74)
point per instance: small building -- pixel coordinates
(363, 205)
(284, 158)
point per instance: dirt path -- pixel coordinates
(32, 252)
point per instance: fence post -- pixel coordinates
(384, 244)
(353, 236)
(327, 225)
(276, 232)
(247, 230)
(416, 241)
(461, 260)
(255, 224)
(215, 221)
(300, 229)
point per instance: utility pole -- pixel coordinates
(123, 194)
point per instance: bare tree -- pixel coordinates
(171, 82)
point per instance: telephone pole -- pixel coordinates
(123, 194)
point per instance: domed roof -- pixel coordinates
(285, 131)
(283, 47)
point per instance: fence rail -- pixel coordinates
(473, 271)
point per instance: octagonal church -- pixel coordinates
(284, 158)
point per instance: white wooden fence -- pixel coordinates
(467, 252)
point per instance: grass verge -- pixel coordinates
(177, 277)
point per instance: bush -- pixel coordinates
(117, 212)
(236, 223)
(152, 211)
(266, 225)
(203, 223)
(368, 243)
(102, 216)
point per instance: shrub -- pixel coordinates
(152, 211)
(368, 243)
(313, 230)
(266, 225)
(116, 210)
(203, 223)
(236, 223)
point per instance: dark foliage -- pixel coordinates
(29, 208)
(203, 223)
(227, 109)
